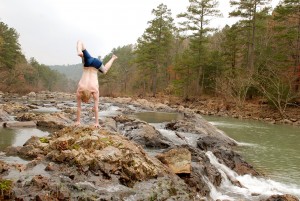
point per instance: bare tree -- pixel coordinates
(277, 87)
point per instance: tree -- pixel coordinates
(196, 27)
(234, 86)
(277, 87)
(124, 66)
(247, 10)
(183, 80)
(286, 40)
(154, 46)
(231, 46)
(10, 50)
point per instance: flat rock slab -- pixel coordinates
(10, 124)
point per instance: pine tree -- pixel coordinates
(154, 46)
(10, 50)
(247, 10)
(286, 40)
(287, 31)
(196, 27)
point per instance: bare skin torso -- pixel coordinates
(89, 81)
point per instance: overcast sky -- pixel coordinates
(49, 29)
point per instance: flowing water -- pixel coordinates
(272, 149)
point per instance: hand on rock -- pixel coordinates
(96, 125)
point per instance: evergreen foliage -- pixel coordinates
(257, 57)
(196, 26)
(154, 48)
(19, 75)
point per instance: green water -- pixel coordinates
(158, 117)
(272, 149)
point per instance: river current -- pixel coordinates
(272, 149)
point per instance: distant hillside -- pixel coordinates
(71, 71)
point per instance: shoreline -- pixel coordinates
(253, 110)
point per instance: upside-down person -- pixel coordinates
(88, 85)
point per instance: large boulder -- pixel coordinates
(13, 108)
(103, 165)
(4, 116)
(234, 161)
(99, 151)
(221, 149)
(202, 172)
(178, 160)
(53, 120)
(141, 132)
(194, 123)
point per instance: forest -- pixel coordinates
(257, 57)
(17, 75)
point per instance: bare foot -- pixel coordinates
(114, 56)
(77, 123)
(80, 54)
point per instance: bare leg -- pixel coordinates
(109, 63)
(80, 47)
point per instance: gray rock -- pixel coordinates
(10, 124)
(4, 116)
(141, 132)
(31, 94)
(177, 159)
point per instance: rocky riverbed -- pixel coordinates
(126, 159)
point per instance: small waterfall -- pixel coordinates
(252, 188)
(109, 111)
(214, 193)
(178, 138)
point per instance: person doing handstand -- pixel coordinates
(88, 85)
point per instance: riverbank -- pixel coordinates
(126, 159)
(255, 109)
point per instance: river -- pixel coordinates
(272, 149)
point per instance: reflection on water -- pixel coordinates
(18, 136)
(272, 149)
(158, 117)
(12, 159)
(45, 110)
(28, 174)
